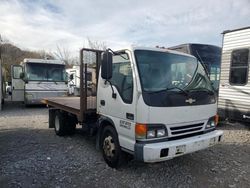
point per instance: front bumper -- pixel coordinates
(33, 98)
(156, 152)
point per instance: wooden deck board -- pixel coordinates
(70, 102)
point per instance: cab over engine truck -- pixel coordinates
(145, 105)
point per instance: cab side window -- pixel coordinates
(17, 70)
(122, 77)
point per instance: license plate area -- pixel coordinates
(212, 141)
(180, 149)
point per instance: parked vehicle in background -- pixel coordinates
(142, 107)
(8, 88)
(35, 79)
(234, 91)
(209, 55)
(74, 80)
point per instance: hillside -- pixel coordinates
(11, 54)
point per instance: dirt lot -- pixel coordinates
(31, 155)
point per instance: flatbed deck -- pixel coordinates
(70, 104)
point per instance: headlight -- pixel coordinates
(151, 134)
(161, 133)
(212, 122)
(29, 96)
(149, 131)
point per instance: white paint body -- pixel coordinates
(32, 92)
(116, 110)
(74, 85)
(234, 100)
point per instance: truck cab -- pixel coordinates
(157, 113)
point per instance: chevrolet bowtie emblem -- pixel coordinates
(190, 100)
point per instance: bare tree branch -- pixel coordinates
(98, 45)
(63, 54)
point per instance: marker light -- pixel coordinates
(140, 130)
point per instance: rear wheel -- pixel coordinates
(111, 149)
(64, 125)
(60, 127)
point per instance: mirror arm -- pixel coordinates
(111, 85)
(24, 79)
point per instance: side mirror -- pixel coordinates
(22, 75)
(71, 77)
(107, 60)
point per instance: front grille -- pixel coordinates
(186, 129)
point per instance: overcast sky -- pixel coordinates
(44, 24)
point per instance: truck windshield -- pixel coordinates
(169, 79)
(45, 72)
(163, 70)
(210, 56)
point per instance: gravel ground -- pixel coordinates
(31, 155)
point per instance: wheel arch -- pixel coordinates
(102, 123)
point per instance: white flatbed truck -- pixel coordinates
(143, 105)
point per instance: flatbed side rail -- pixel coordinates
(61, 106)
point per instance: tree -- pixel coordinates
(98, 45)
(12, 55)
(63, 54)
(89, 57)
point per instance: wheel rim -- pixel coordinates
(57, 126)
(109, 147)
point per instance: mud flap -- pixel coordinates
(52, 117)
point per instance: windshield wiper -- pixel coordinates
(203, 64)
(169, 89)
(210, 92)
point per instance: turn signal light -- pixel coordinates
(140, 130)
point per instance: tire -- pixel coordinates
(52, 118)
(63, 124)
(110, 146)
(60, 127)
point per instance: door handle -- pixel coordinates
(102, 102)
(130, 116)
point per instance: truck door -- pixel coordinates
(119, 106)
(17, 83)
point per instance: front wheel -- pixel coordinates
(111, 149)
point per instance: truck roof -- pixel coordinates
(46, 61)
(158, 49)
(180, 45)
